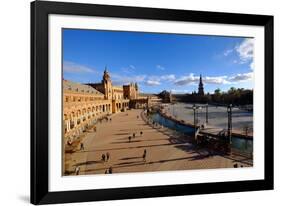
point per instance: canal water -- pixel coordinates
(238, 143)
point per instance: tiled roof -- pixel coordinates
(81, 88)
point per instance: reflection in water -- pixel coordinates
(244, 145)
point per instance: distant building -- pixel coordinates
(130, 91)
(166, 96)
(200, 87)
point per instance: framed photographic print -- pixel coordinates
(131, 102)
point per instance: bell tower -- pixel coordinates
(107, 84)
(201, 87)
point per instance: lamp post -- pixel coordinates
(229, 128)
(207, 113)
(194, 113)
(198, 108)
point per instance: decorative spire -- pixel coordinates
(106, 76)
(201, 86)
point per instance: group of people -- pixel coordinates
(134, 135)
(105, 157)
(236, 165)
(108, 171)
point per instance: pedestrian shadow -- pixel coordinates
(124, 133)
(128, 163)
(141, 124)
(142, 129)
(88, 163)
(121, 142)
(142, 162)
(126, 138)
(129, 158)
(201, 157)
(135, 147)
(151, 140)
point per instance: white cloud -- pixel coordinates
(241, 77)
(169, 77)
(227, 52)
(185, 80)
(121, 80)
(148, 80)
(245, 50)
(160, 67)
(216, 80)
(252, 65)
(191, 79)
(152, 83)
(72, 67)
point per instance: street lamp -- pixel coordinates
(207, 113)
(194, 112)
(229, 128)
(198, 108)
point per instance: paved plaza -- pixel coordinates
(165, 149)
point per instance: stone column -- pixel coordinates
(75, 122)
(68, 125)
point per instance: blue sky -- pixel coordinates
(158, 61)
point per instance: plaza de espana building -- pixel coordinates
(85, 104)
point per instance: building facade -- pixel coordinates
(84, 104)
(130, 91)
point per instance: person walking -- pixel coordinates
(103, 157)
(141, 133)
(129, 138)
(82, 146)
(110, 170)
(144, 155)
(77, 170)
(134, 135)
(107, 156)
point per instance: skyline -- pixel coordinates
(158, 62)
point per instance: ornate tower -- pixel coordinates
(107, 84)
(200, 87)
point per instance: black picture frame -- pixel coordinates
(39, 102)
